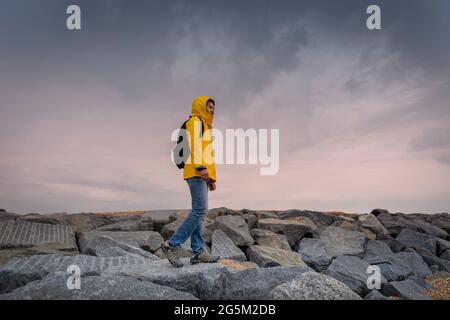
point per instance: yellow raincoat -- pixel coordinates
(201, 147)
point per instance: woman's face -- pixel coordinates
(210, 107)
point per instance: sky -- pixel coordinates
(363, 115)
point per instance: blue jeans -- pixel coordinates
(192, 226)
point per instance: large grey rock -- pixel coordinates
(252, 220)
(226, 279)
(19, 272)
(406, 289)
(395, 266)
(108, 247)
(375, 295)
(23, 234)
(313, 286)
(294, 230)
(270, 257)
(54, 287)
(353, 272)
(236, 228)
(413, 239)
(433, 261)
(443, 248)
(319, 218)
(314, 254)
(338, 241)
(371, 223)
(395, 223)
(270, 239)
(445, 255)
(147, 240)
(161, 217)
(169, 229)
(392, 243)
(142, 224)
(225, 248)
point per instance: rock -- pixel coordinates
(352, 271)
(107, 247)
(54, 287)
(393, 244)
(406, 289)
(144, 224)
(319, 218)
(377, 212)
(442, 247)
(445, 255)
(294, 230)
(223, 211)
(83, 222)
(236, 228)
(271, 257)
(252, 220)
(395, 223)
(270, 239)
(313, 286)
(7, 255)
(56, 218)
(23, 234)
(375, 295)
(371, 223)
(434, 268)
(147, 240)
(5, 216)
(161, 218)
(224, 280)
(19, 272)
(314, 254)
(414, 261)
(413, 239)
(224, 247)
(340, 242)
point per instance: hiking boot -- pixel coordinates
(204, 257)
(173, 254)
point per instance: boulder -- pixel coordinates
(406, 289)
(445, 255)
(270, 239)
(107, 247)
(395, 223)
(224, 247)
(294, 230)
(147, 240)
(236, 228)
(413, 239)
(353, 272)
(252, 220)
(377, 212)
(83, 222)
(314, 254)
(338, 241)
(313, 286)
(55, 218)
(5, 216)
(54, 287)
(224, 280)
(371, 223)
(143, 224)
(319, 218)
(24, 234)
(392, 243)
(271, 257)
(443, 246)
(161, 217)
(169, 229)
(19, 272)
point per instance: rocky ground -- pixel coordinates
(293, 254)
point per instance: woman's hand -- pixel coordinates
(212, 186)
(204, 174)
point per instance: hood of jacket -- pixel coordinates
(199, 110)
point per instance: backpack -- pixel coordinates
(179, 157)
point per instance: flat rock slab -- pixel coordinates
(413, 239)
(226, 279)
(23, 234)
(141, 224)
(270, 257)
(147, 240)
(224, 247)
(313, 286)
(292, 229)
(319, 218)
(54, 287)
(19, 272)
(395, 223)
(161, 217)
(406, 289)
